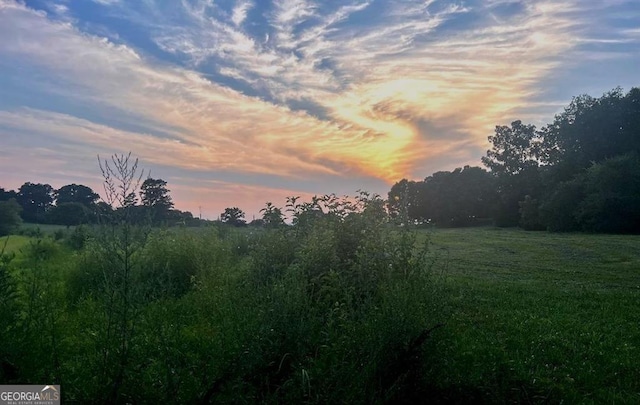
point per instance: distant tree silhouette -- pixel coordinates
(513, 160)
(76, 193)
(35, 200)
(69, 214)
(456, 198)
(233, 216)
(272, 216)
(577, 173)
(6, 195)
(155, 197)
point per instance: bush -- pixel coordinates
(612, 201)
(332, 309)
(558, 212)
(8, 317)
(9, 216)
(79, 237)
(530, 215)
(342, 302)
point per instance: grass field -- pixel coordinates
(46, 229)
(536, 317)
(13, 244)
(529, 317)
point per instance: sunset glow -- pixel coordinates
(240, 102)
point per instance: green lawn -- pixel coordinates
(46, 229)
(13, 244)
(529, 317)
(534, 317)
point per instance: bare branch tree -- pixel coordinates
(121, 179)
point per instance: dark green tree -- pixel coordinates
(458, 198)
(9, 216)
(7, 195)
(35, 200)
(405, 201)
(272, 216)
(530, 214)
(155, 197)
(69, 214)
(102, 211)
(612, 196)
(233, 216)
(558, 210)
(592, 129)
(514, 149)
(76, 193)
(513, 159)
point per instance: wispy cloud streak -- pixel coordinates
(301, 88)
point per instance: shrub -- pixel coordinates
(9, 216)
(343, 301)
(332, 309)
(530, 214)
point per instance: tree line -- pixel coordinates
(76, 204)
(580, 172)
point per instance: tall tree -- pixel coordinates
(513, 159)
(233, 216)
(454, 198)
(591, 130)
(514, 149)
(76, 193)
(35, 200)
(272, 216)
(612, 196)
(405, 200)
(6, 195)
(458, 198)
(154, 195)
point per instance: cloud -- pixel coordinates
(240, 10)
(382, 89)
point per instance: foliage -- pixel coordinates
(272, 216)
(9, 216)
(558, 210)
(405, 201)
(530, 214)
(339, 307)
(154, 195)
(76, 193)
(612, 196)
(590, 131)
(593, 129)
(7, 195)
(233, 216)
(35, 200)
(8, 312)
(69, 214)
(333, 309)
(456, 198)
(514, 149)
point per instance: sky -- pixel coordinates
(240, 102)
